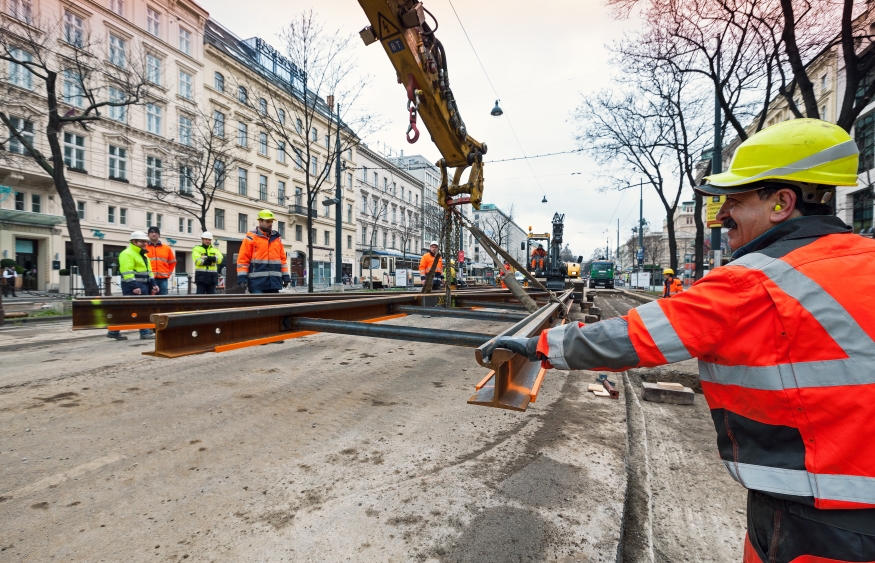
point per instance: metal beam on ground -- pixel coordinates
(461, 313)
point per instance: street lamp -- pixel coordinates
(496, 111)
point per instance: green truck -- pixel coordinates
(601, 273)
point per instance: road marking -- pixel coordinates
(59, 478)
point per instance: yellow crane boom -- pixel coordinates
(421, 65)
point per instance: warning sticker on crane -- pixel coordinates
(386, 28)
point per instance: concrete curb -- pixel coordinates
(32, 320)
(640, 298)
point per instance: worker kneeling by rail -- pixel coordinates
(785, 346)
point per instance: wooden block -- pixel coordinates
(589, 319)
(595, 387)
(601, 393)
(657, 394)
(669, 385)
(595, 311)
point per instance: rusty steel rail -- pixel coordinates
(394, 332)
(101, 312)
(515, 381)
(459, 313)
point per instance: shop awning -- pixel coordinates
(30, 219)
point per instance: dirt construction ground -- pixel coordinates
(333, 448)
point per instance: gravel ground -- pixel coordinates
(325, 448)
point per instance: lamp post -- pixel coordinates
(338, 198)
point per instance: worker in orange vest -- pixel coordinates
(261, 262)
(507, 272)
(426, 262)
(673, 285)
(785, 346)
(538, 256)
(161, 259)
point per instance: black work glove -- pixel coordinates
(211, 260)
(516, 344)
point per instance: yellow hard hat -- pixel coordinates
(667, 271)
(807, 151)
(265, 214)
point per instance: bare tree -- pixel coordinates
(60, 78)
(433, 218)
(197, 168)
(321, 70)
(373, 211)
(497, 226)
(409, 228)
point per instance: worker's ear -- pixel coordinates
(783, 205)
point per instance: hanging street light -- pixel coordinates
(496, 111)
(544, 200)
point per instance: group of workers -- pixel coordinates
(147, 264)
(785, 338)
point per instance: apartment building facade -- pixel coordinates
(500, 227)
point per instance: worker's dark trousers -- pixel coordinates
(206, 288)
(782, 531)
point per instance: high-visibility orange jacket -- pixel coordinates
(539, 252)
(673, 288)
(425, 264)
(785, 337)
(261, 261)
(162, 259)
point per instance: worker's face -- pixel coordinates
(265, 224)
(747, 216)
(153, 236)
(206, 241)
(140, 243)
(433, 249)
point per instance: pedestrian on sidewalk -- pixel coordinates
(137, 279)
(9, 275)
(161, 259)
(785, 346)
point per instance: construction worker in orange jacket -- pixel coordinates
(673, 285)
(785, 338)
(538, 256)
(261, 262)
(161, 259)
(426, 262)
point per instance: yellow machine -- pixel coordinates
(421, 64)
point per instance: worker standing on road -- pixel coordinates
(206, 264)
(162, 260)
(426, 262)
(261, 263)
(785, 346)
(508, 271)
(137, 279)
(672, 284)
(538, 256)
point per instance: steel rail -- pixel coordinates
(459, 313)
(515, 380)
(411, 333)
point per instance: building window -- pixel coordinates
(149, 219)
(117, 6)
(393, 214)
(118, 163)
(110, 214)
(73, 92)
(385, 236)
(280, 192)
(823, 83)
(219, 81)
(299, 158)
(122, 216)
(313, 135)
(19, 74)
(365, 174)
(262, 187)
(185, 130)
(80, 209)
(74, 151)
(299, 194)
(25, 128)
(22, 10)
(36, 203)
(242, 222)
(189, 223)
(242, 96)
(327, 238)
(185, 41)
(74, 31)
(349, 213)
(299, 233)
(376, 179)
(327, 141)
(117, 113)
(863, 207)
(219, 219)
(186, 183)
(153, 119)
(314, 166)
(159, 220)
(219, 175)
(327, 211)
(242, 134)
(262, 144)
(349, 180)
(153, 69)
(262, 106)
(117, 51)
(181, 225)
(154, 168)
(281, 228)
(153, 22)
(864, 134)
(281, 151)
(364, 204)
(241, 181)
(299, 127)
(19, 201)
(348, 241)
(313, 235)
(364, 236)
(219, 124)
(185, 89)
(393, 241)
(281, 116)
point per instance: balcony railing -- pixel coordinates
(301, 210)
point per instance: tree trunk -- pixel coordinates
(700, 239)
(309, 247)
(672, 241)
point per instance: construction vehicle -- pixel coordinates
(557, 273)
(421, 65)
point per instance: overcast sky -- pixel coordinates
(541, 56)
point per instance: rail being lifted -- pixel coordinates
(227, 323)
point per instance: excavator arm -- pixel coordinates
(420, 62)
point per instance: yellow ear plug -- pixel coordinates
(778, 207)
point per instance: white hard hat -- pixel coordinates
(138, 235)
(434, 242)
(207, 234)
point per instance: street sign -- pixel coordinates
(711, 209)
(461, 257)
(640, 254)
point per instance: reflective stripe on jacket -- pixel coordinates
(261, 261)
(425, 264)
(784, 337)
(161, 259)
(206, 273)
(134, 266)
